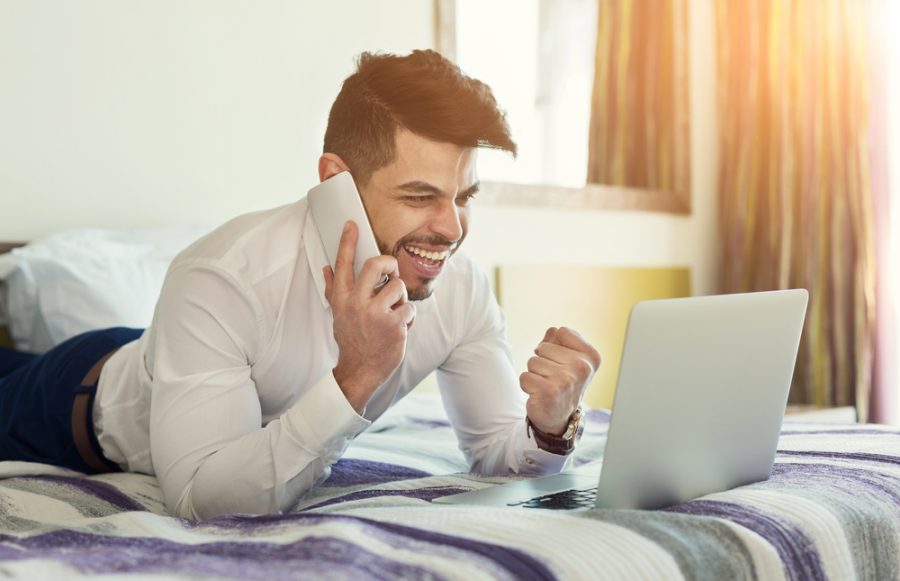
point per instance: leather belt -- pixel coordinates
(82, 427)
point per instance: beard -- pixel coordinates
(425, 288)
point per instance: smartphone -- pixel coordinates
(332, 203)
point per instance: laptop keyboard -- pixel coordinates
(564, 500)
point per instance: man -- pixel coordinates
(261, 363)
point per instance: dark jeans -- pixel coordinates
(36, 395)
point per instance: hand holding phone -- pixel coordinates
(370, 321)
(370, 325)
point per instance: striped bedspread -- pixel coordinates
(831, 510)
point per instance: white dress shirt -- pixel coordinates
(229, 398)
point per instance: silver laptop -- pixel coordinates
(701, 394)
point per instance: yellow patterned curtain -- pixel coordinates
(795, 203)
(639, 111)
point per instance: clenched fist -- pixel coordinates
(560, 371)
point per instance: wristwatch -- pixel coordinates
(564, 444)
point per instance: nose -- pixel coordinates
(448, 223)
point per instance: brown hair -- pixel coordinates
(422, 92)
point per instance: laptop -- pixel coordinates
(699, 402)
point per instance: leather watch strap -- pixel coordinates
(561, 445)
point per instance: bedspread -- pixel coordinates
(830, 510)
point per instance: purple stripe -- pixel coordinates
(866, 503)
(95, 488)
(795, 548)
(520, 565)
(838, 432)
(428, 423)
(841, 483)
(358, 472)
(864, 456)
(314, 556)
(428, 494)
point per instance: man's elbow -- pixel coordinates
(489, 461)
(196, 506)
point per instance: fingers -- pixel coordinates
(549, 335)
(392, 295)
(573, 340)
(532, 383)
(575, 371)
(543, 367)
(404, 300)
(374, 270)
(401, 307)
(555, 353)
(343, 264)
(567, 346)
(406, 313)
(564, 357)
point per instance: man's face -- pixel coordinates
(419, 207)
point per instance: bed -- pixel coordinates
(831, 509)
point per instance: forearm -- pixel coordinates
(246, 478)
(262, 470)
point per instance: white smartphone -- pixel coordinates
(332, 203)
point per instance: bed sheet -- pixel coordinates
(830, 510)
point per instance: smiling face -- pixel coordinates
(419, 206)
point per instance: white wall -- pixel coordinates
(141, 113)
(126, 113)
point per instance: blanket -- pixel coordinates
(831, 509)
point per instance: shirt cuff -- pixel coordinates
(323, 419)
(537, 461)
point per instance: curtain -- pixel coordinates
(638, 134)
(884, 15)
(794, 180)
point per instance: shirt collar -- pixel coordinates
(315, 255)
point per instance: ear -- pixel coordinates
(331, 164)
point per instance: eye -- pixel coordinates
(424, 199)
(464, 199)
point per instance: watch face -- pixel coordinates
(574, 424)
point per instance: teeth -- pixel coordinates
(427, 254)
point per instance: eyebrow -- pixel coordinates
(420, 187)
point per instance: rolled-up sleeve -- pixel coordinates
(210, 450)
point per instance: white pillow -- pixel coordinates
(80, 280)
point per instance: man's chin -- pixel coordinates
(420, 293)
